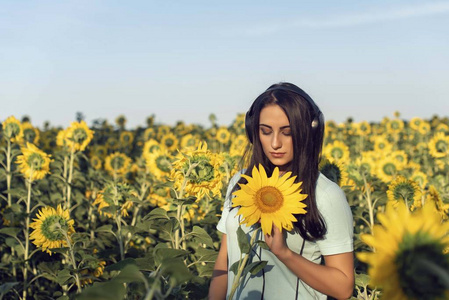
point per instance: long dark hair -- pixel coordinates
(307, 129)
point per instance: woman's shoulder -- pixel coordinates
(327, 190)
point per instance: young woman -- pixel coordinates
(286, 128)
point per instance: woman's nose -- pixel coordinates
(276, 142)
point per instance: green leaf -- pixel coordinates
(157, 213)
(17, 192)
(235, 267)
(130, 273)
(262, 245)
(110, 290)
(11, 231)
(186, 201)
(255, 267)
(121, 264)
(146, 263)
(162, 253)
(242, 239)
(177, 270)
(104, 228)
(202, 236)
(361, 280)
(63, 276)
(6, 287)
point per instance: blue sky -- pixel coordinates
(182, 60)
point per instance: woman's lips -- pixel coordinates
(277, 154)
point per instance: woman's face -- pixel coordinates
(275, 136)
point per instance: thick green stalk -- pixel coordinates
(27, 238)
(236, 282)
(69, 182)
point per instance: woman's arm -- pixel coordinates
(335, 278)
(219, 283)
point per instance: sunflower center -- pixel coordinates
(79, 135)
(169, 142)
(389, 169)
(417, 256)
(337, 153)
(269, 199)
(53, 227)
(29, 135)
(35, 161)
(163, 163)
(441, 146)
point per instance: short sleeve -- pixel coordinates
(337, 214)
(221, 226)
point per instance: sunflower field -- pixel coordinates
(105, 212)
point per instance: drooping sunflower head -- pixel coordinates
(34, 163)
(200, 169)
(117, 163)
(78, 136)
(420, 178)
(408, 257)
(334, 170)
(30, 133)
(439, 145)
(337, 151)
(149, 133)
(96, 162)
(404, 190)
(269, 200)
(114, 199)
(433, 198)
(52, 227)
(12, 129)
(159, 163)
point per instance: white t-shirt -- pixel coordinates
(276, 281)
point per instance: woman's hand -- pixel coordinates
(276, 242)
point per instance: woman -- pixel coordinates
(286, 128)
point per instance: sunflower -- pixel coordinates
(424, 128)
(95, 162)
(30, 133)
(415, 122)
(401, 157)
(366, 164)
(12, 129)
(420, 178)
(395, 126)
(408, 254)
(78, 135)
(382, 145)
(199, 168)
(238, 145)
(96, 269)
(404, 190)
(112, 143)
(434, 197)
(337, 151)
(387, 169)
(169, 142)
(126, 138)
(105, 198)
(223, 135)
(50, 228)
(189, 141)
(159, 163)
(439, 145)
(334, 170)
(442, 128)
(271, 200)
(34, 164)
(60, 138)
(149, 134)
(117, 163)
(100, 151)
(121, 121)
(363, 128)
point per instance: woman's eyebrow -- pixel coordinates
(268, 126)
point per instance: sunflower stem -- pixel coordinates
(370, 203)
(8, 186)
(69, 182)
(237, 278)
(27, 236)
(71, 258)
